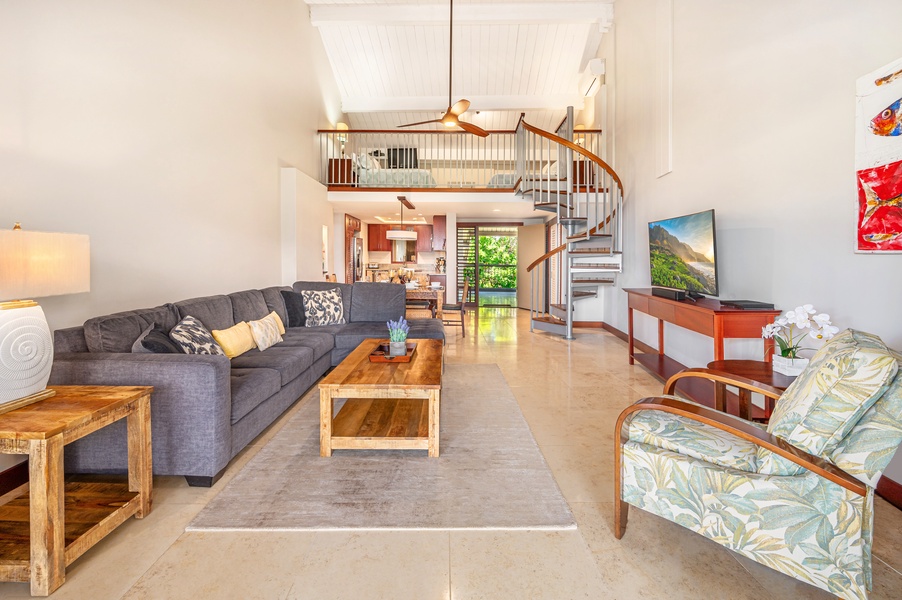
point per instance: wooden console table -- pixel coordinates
(43, 531)
(705, 316)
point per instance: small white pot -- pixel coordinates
(397, 348)
(789, 366)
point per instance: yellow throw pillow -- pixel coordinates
(275, 317)
(235, 340)
(266, 331)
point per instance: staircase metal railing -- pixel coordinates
(587, 200)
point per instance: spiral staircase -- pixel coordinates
(587, 201)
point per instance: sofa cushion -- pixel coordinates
(193, 338)
(323, 308)
(430, 329)
(248, 306)
(155, 340)
(215, 312)
(320, 341)
(250, 388)
(273, 298)
(353, 334)
(346, 291)
(118, 332)
(266, 331)
(289, 361)
(236, 340)
(378, 302)
(294, 308)
(842, 381)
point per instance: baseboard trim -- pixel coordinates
(589, 324)
(891, 491)
(640, 345)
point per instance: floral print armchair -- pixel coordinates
(796, 496)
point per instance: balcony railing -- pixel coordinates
(440, 160)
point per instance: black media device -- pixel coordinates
(669, 293)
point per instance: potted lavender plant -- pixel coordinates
(397, 336)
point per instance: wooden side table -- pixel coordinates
(66, 518)
(756, 370)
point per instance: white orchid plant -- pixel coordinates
(790, 329)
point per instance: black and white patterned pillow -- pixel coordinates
(193, 338)
(323, 307)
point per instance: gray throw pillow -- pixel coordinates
(154, 340)
(294, 309)
(193, 338)
(323, 307)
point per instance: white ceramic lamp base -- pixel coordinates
(26, 354)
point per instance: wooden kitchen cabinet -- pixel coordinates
(424, 238)
(439, 232)
(376, 240)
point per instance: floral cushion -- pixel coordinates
(804, 526)
(866, 450)
(323, 307)
(844, 379)
(692, 438)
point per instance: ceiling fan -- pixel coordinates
(451, 116)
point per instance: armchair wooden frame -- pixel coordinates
(724, 422)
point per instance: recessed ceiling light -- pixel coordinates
(496, 210)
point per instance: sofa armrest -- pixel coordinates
(191, 404)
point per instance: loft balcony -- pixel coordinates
(434, 160)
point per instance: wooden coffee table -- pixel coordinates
(390, 406)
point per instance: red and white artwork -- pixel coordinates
(878, 160)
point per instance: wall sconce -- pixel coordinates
(33, 265)
(342, 136)
(579, 136)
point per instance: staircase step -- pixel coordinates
(590, 251)
(582, 236)
(595, 267)
(592, 280)
(552, 206)
(572, 220)
(550, 319)
(578, 294)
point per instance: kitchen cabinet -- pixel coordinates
(439, 232)
(424, 238)
(376, 240)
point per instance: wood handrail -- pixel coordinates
(442, 131)
(746, 431)
(575, 148)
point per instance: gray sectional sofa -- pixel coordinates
(205, 409)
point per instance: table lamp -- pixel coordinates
(33, 265)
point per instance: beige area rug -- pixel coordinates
(490, 475)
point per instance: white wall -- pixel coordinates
(158, 128)
(763, 130)
(305, 212)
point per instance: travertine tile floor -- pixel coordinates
(571, 394)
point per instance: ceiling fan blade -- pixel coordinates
(470, 128)
(421, 123)
(460, 107)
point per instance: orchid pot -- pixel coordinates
(788, 365)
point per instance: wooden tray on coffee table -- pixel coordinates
(381, 355)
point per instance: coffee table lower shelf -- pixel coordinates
(92, 510)
(382, 424)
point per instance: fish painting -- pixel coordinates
(889, 121)
(874, 202)
(880, 238)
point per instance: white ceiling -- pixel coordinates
(375, 207)
(390, 58)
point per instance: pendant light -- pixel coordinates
(402, 234)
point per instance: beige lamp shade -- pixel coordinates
(35, 264)
(342, 132)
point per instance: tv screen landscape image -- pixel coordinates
(682, 253)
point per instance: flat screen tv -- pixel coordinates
(683, 253)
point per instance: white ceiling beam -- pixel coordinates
(466, 14)
(439, 103)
